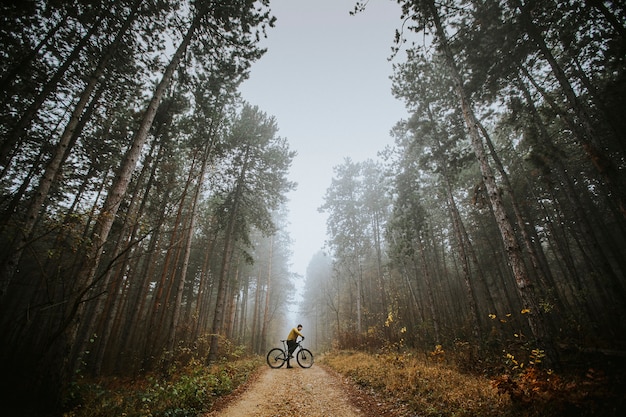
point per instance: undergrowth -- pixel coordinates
(433, 386)
(424, 389)
(185, 390)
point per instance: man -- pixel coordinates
(292, 343)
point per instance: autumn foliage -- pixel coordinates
(432, 384)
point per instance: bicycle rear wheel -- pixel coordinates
(276, 358)
(304, 358)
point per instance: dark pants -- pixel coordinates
(291, 346)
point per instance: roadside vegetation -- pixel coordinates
(439, 384)
(186, 388)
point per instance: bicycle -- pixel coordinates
(277, 357)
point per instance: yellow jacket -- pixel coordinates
(293, 334)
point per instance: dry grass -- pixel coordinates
(426, 389)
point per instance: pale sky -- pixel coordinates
(325, 78)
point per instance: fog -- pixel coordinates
(325, 77)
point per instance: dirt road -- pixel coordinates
(313, 392)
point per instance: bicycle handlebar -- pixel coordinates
(285, 340)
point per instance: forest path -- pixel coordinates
(313, 392)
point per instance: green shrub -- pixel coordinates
(186, 391)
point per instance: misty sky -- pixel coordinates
(325, 78)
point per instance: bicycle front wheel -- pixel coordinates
(304, 358)
(276, 358)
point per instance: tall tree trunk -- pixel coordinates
(382, 291)
(231, 303)
(204, 291)
(572, 195)
(583, 126)
(516, 261)
(86, 277)
(229, 243)
(268, 293)
(105, 310)
(456, 226)
(19, 130)
(255, 339)
(192, 225)
(206, 156)
(359, 297)
(464, 258)
(61, 150)
(430, 297)
(243, 317)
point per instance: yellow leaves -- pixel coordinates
(534, 358)
(502, 320)
(510, 359)
(438, 353)
(505, 320)
(438, 349)
(536, 355)
(525, 311)
(389, 319)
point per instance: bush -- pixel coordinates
(187, 391)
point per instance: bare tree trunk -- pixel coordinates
(62, 148)
(461, 251)
(185, 263)
(430, 298)
(465, 264)
(359, 295)
(572, 195)
(268, 293)
(229, 242)
(86, 277)
(161, 301)
(243, 319)
(382, 291)
(516, 261)
(204, 291)
(231, 304)
(255, 315)
(583, 126)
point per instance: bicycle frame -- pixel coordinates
(277, 357)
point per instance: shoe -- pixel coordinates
(289, 366)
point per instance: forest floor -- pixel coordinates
(313, 392)
(353, 384)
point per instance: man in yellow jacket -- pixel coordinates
(292, 342)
